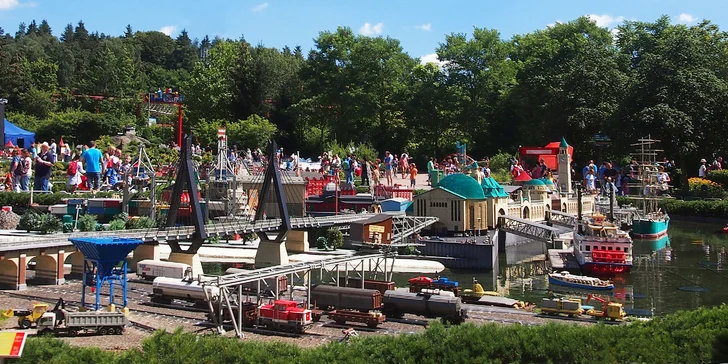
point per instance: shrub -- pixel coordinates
(705, 188)
(87, 222)
(322, 243)
(48, 223)
(143, 222)
(29, 221)
(117, 224)
(720, 177)
(500, 162)
(335, 238)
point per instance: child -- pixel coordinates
(413, 174)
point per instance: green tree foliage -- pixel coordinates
(569, 80)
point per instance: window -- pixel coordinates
(609, 248)
(587, 247)
(626, 250)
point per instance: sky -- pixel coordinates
(419, 25)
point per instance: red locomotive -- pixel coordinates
(284, 315)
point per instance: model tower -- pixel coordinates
(564, 167)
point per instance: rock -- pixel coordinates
(8, 220)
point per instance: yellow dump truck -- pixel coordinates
(611, 311)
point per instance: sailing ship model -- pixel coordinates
(650, 222)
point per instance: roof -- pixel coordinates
(15, 130)
(563, 143)
(462, 185)
(534, 182)
(396, 199)
(373, 220)
(547, 181)
(511, 188)
(492, 189)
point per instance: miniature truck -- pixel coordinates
(26, 318)
(71, 323)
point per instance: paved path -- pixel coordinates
(420, 181)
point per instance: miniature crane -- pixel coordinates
(611, 310)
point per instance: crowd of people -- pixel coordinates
(88, 167)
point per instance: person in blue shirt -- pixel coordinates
(92, 159)
(388, 164)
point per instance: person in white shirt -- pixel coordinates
(703, 168)
(54, 147)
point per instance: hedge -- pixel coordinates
(684, 337)
(22, 199)
(698, 208)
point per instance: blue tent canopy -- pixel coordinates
(13, 132)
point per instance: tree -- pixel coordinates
(334, 238)
(478, 71)
(209, 90)
(569, 83)
(679, 89)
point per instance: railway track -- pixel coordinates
(589, 320)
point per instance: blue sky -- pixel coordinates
(419, 25)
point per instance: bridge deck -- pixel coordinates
(527, 228)
(404, 225)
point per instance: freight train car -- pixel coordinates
(344, 304)
(381, 286)
(417, 284)
(164, 290)
(267, 285)
(149, 269)
(398, 303)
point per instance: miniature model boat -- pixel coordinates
(582, 282)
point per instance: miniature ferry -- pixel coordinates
(602, 248)
(582, 282)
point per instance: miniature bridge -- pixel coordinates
(561, 218)
(527, 228)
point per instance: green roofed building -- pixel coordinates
(463, 204)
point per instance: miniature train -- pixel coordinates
(573, 308)
(277, 315)
(365, 305)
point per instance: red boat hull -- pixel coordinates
(598, 269)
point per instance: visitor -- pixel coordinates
(346, 166)
(75, 171)
(388, 167)
(413, 175)
(404, 163)
(591, 181)
(365, 168)
(15, 171)
(23, 172)
(43, 165)
(92, 158)
(430, 169)
(376, 172)
(703, 168)
(54, 147)
(717, 164)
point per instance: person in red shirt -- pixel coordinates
(413, 175)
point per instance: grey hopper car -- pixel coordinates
(398, 303)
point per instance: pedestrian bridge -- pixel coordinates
(527, 228)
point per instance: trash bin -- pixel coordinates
(435, 177)
(67, 219)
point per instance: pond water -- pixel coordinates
(684, 271)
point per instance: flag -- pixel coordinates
(60, 142)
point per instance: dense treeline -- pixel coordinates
(573, 79)
(685, 337)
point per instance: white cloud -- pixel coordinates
(686, 18)
(260, 7)
(432, 58)
(12, 4)
(554, 23)
(605, 20)
(169, 29)
(370, 30)
(426, 27)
